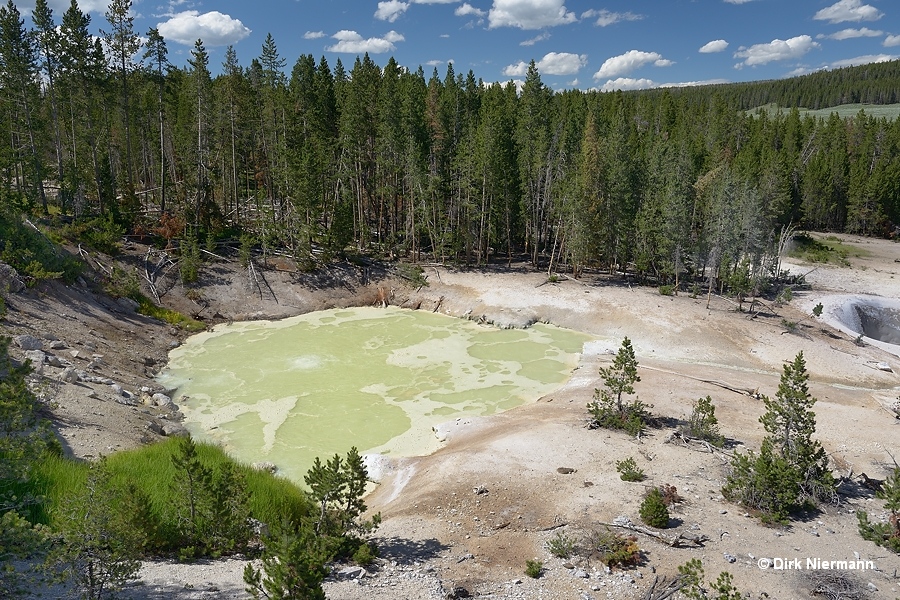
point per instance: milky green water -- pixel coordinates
(378, 379)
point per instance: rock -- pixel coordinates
(565, 470)
(36, 357)
(730, 558)
(128, 304)
(54, 361)
(568, 565)
(69, 375)
(117, 389)
(355, 572)
(155, 428)
(458, 592)
(28, 342)
(58, 345)
(160, 399)
(174, 430)
(580, 573)
(265, 466)
(479, 490)
(871, 587)
(74, 353)
(10, 280)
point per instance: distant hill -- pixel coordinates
(887, 111)
(872, 84)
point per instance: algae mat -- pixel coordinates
(378, 379)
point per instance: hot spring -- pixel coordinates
(378, 379)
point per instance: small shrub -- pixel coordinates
(887, 534)
(695, 290)
(789, 325)
(414, 274)
(534, 568)
(653, 510)
(561, 545)
(629, 471)
(703, 424)
(553, 278)
(817, 310)
(691, 575)
(365, 554)
(123, 284)
(667, 290)
(669, 494)
(859, 341)
(614, 549)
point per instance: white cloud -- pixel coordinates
(682, 84)
(891, 40)
(536, 39)
(553, 63)
(713, 46)
(605, 17)
(435, 1)
(631, 60)
(353, 43)
(529, 14)
(391, 10)
(313, 35)
(214, 28)
(799, 71)
(849, 10)
(760, 54)
(847, 34)
(862, 60)
(627, 83)
(467, 9)
(738, 1)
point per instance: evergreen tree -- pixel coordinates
(791, 471)
(122, 43)
(101, 546)
(157, 53)
(609, 408)
(18, 77)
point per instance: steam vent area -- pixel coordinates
(875, 318)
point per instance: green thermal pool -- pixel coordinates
(378, 379)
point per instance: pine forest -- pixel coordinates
(320, 160)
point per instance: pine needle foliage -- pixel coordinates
(791, 471)
(611, 409)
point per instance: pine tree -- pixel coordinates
(122, 43)
(18, 77)
(609, 409)
(101, 546)
(791, 470)
(157, 53)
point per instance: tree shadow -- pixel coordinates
(405, 551)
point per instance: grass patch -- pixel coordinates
(150, 469)
(829, 250)
(172, 317)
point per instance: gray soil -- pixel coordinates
(469, 515)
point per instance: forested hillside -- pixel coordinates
(316, 159)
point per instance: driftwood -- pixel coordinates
(753, 393)
(665, 588)
(699, 445)
(682, 540)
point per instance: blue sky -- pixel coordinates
(587, 44)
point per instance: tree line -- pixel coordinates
(321, 160)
